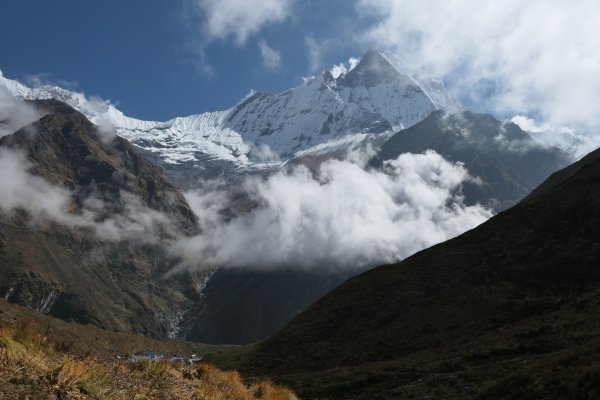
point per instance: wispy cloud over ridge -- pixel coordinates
(14, 112)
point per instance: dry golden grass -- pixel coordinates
(11, 351)
(215, 384)
(72, 372)
(32, 367)
(266, 390)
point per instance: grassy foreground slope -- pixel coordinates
(46, 364)
(89, 339)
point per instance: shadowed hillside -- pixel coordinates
(508, 304)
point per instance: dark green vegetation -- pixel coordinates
(508, 161)
(507, 310)
(69, 272)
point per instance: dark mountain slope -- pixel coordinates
(511, 302)
(243, 305)
(559, 176)
(69, 272)
(508, 161)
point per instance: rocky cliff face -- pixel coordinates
(77, 270)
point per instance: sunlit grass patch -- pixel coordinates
(34, 367)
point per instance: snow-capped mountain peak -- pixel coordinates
(374, 70)
(376, 97)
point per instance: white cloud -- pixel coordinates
(340, 216)
(23, 190)
(529, 124)
(263, 154)
(37, 80)
(241, 18)
(271, 58)
(212, 20)
(14, 113)
(45, 202)
(338, 70)
(343, 68)
(127, 218)
(314, 53)
(45, 79)
(316, 50)
(562, 137)
(537, 57)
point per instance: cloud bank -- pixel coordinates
(562, 137)
(240, 18)
(512, 57)
(342, 216)
(28, 192)
(44, 202)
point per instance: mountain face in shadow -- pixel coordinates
(244, 305)
(508, 162)
(68, 271)
(506, 310)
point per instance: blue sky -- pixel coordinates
(143, 55)
(159, 59)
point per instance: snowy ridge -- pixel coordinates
(377, 97)
(433, 88)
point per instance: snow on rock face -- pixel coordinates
(375, 98)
